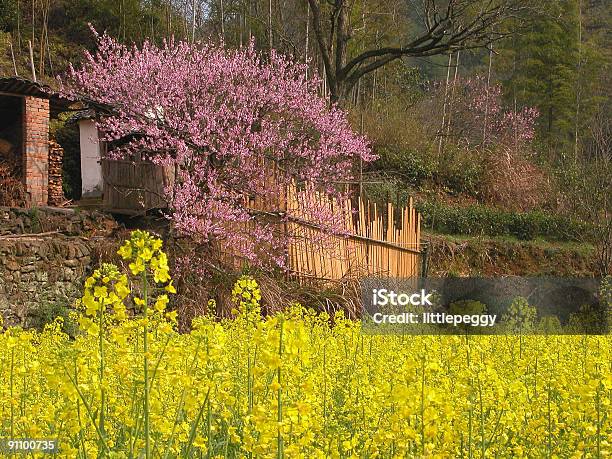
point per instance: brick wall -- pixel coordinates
(36, 150)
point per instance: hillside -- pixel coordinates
(513, 142)
(503, 256)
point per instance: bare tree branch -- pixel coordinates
(448, 26)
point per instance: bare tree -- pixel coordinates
(446, 26)
(589, 189)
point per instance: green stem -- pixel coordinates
(483, 446)
(101, 350)
(179, 408)
(90, 413)
(470, 415)
(147, 426)
(78, 406)
(279, 394)
(549, 443)
(12, 395)
(423, 404)
(22, 397)
(194, 426)
(598, 421)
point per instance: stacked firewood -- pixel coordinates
(12, 190)
(56, 155)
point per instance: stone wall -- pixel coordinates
(45, 255)
(39, 274)
(70, 222)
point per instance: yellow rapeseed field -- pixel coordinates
(294, 384)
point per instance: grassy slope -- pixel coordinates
(481, 256)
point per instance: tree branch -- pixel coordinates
(455, 26)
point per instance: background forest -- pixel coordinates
(501, 134)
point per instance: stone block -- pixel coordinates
(71, 263)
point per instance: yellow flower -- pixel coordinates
(100, 292)
(137, 267)
(161, 302)
(342, 393)
(146, 254)
(122, 290)
(172, 316)
(161, 275)
(91, 305)
(125, 251)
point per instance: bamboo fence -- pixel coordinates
(372, 240)
(376, 242)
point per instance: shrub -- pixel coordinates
(409, 165)
(456, 173)
(485, 220)
(460, 171)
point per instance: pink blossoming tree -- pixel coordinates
(475, 115)
(235, 128)
(508, 127)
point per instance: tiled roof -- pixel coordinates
(23, 87)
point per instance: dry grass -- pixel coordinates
(515, 183)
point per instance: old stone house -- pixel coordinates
(26, 108)
(35, 160)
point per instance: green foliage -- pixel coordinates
(520, 317)
(589, 319)
(461, 173)
(588, 191)
(456, 172)
(550, 325)
(131, 20)
(556, 65)
(36, 223)
(605, 293)
(468, 307)
(68, 29)
(485, 220)
(8, 15)
(410, 166)
(53, 304)
(47, 312)
(389, 190)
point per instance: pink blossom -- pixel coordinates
(505, 126)
(235, 127)
(478, 115)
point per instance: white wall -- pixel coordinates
(91, 169)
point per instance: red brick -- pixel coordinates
(36, 149)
